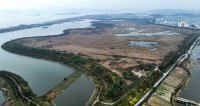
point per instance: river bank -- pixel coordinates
(191, 90)
(186, 65)
(34, 70)
(90, 64)
(113, 85)
(23, 95)
(7, 92)
(39, 21)
(58, 89)
(76, 61)
(64, 58)
(162, 95)
(167, 91)
(17, 91)
(22, 27)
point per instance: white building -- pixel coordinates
(183, 24)
(180, 24)
(160, 21)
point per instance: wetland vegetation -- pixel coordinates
(112, 81)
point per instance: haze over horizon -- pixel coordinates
(99, 4)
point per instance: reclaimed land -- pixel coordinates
(98, 52)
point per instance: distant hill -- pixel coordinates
(187, 14)
(174, 11)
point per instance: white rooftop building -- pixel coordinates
(183, 24)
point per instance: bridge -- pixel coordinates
(186, 101)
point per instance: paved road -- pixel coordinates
(182, 58)
(20, 90)
(157, 83)
(100, 84)
(106, 103)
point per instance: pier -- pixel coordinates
(186, 101)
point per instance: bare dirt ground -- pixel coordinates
(162, 95)
(188, 64)
(156, 101)
(113, 51)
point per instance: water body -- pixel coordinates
(16, 19)
(153, 49)
(2, 98)
(131, 29)
(142, 32)
(192, 91)
(8, 20)
(116, 20)
(40, 74)
(142, 43)
(74, 95)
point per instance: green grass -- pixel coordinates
(162, 88)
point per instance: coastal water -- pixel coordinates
(192, 91)
(2, 98)
(40, 74)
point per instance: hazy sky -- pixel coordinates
(99, 4)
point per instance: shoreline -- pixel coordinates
(5, 92)
(46, 57)
(179, 89)
(64, 32)
(180, 59)
(48, 23)
(7, 96)
(189, 74)
(158, 98)
(17, 93)
(166, 92)
(185, 82)
(93, 77)
(95, 92)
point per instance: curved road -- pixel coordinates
(181, 59)
(156, 69)
(20, 90)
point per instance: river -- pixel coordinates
(42, 75)
(191, 91)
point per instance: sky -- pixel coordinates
(99, 4)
